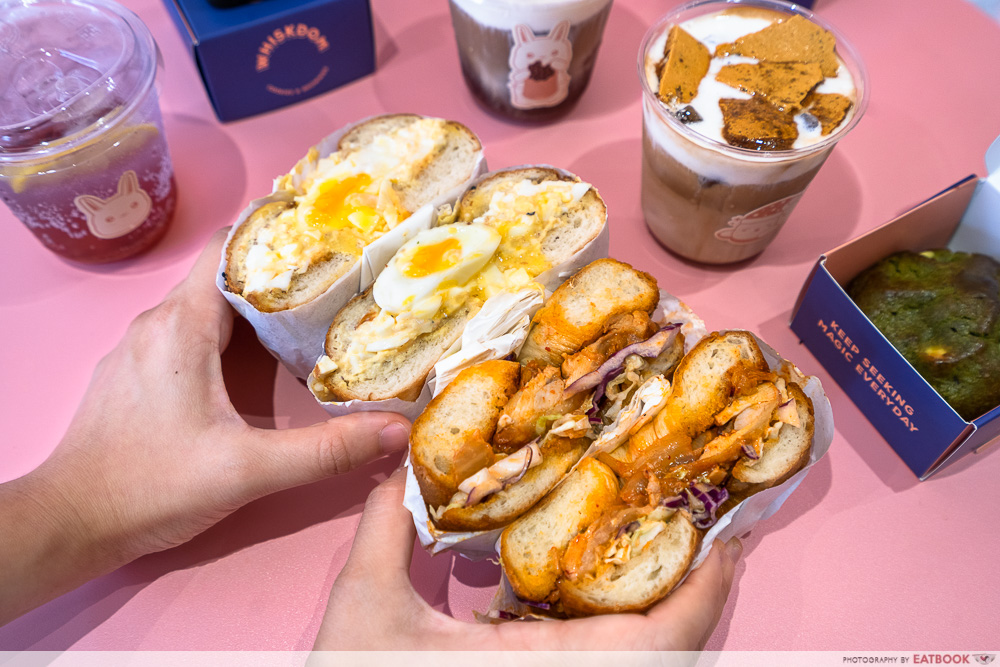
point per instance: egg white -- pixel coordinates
(398, 289)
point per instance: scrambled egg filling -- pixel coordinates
(347, 201)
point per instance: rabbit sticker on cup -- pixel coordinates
(539, 67)
(119, 214)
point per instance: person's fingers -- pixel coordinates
(199, 292)
(383, 544)
(372, 604)
(281, 459)
(691, 612)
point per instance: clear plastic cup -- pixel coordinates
(83, 158)
(707, 200)
(528, 59)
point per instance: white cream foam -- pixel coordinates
(711, 163)
(539, 15)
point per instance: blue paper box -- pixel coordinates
(923, 429)
(268, 54)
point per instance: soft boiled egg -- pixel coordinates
(343, 202)
(434, 261)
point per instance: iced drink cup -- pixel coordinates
(528, 59)
(727, 154)
(83, 159)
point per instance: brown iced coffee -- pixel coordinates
(742, 104)
(528, 59)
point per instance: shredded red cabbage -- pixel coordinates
(650, 348)
(702, 500)
(532, 603)
(749, 451)
(626, 528)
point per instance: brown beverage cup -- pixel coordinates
(528, 59)
(704, 199)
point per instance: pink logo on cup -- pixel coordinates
(120, 213)
(760, 224)
(539, 67)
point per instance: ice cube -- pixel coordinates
(48, 78)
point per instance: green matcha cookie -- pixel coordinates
(941, 310)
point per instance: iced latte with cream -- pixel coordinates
(742, 104)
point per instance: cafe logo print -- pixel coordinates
(119, 214)
(539, 67)
(284, 35)
(758, 225)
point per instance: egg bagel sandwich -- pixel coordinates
(327, 209)
(505, 230)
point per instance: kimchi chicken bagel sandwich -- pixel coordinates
(505, 231)
(503, 433)
(624, 527)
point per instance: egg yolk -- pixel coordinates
(433, 258)
(341, 204)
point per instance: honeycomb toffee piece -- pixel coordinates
(828, 108)
(795, 39)
(784, 85)
(758, 125)
(941, 310)
(685, 64)
(791, 57)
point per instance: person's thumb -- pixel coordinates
(374, 585)
(281, 459)
(383, 544)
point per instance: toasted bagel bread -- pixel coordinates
(530, 547)
(642, 580)
(327, 254)
(578, 309)
(454, 422)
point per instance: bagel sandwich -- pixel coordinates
(624, 528)
(323, 213)
(505, 231)
(503, 433)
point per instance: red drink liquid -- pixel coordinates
(84, 162)
(106, 202)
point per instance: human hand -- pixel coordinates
(373, 604)
(156, 453)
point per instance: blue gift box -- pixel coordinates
(267, 54)
(913, 418)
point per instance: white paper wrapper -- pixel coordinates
(483, 544)
(296, 336)
(498, 329)
(737, 521)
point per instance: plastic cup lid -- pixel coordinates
(68, 68)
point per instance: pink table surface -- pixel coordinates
(862, 556)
